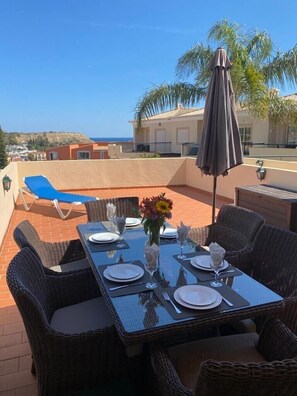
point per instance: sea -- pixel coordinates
(112, 139)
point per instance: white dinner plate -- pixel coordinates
(197, 295)
(132, 222)
(124, 271)
(168, 233)
(104, 237)
(217, 301)
(109, 277)
(202, 262)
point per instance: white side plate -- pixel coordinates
(104, 237)
(197, 307)
(202, 262)
(132, 222)
(124, 271)
(197, 295)
(109, 277)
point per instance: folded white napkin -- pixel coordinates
(151, 254)
(217, 253)
(111, 210)
(182, 231)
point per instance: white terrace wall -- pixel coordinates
(276, 175)
(95, 174)
(8, 198)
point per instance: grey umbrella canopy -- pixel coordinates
(220, 147)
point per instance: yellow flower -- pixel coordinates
(162, 207)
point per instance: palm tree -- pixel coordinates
(256, 70)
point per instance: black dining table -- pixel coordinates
(143, 316)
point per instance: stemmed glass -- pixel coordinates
(216, 263)
(111, 214)
(151, 264)
(181, 239)
(120, 223)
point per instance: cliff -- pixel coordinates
(54, 138)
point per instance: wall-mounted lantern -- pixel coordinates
(6, 181)
(261, 172)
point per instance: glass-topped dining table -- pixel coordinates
(143, 316)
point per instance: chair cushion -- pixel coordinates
(85, 316)
(71, 266)
(187, 358)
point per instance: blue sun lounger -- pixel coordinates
(39, 187)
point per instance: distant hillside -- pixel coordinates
(53, 138)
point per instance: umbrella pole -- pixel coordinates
(214, 198)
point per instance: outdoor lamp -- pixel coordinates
(6, 181)
(261, 172)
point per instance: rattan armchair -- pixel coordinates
(274, 264)
(73, 340)
(126, 206)
(235, 365)
(61, 256)
(235, 230)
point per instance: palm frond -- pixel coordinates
(195, 60)
(259, 47)
(282, 111)
(167, 96)
(282, 68)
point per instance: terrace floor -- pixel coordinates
(191, 206)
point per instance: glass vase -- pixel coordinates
(154, 233)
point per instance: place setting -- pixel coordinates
(199, 299)
(103, 241)
(199, 264)
(124, 278)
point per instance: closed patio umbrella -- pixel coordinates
(220, 148)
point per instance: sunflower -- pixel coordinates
(163, 207)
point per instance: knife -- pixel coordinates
(122, 286)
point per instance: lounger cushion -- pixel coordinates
(187, 358)
(71, 266)
(43, 189)
(85, 316)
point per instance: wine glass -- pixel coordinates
(216, 263)
(111, 211)
(120, 223)
(181, 239)
(151, 263)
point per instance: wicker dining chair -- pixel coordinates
(274, 264)
(234, 365)
(234, 229)
(126, 206)
(73, 340)
(61, 256)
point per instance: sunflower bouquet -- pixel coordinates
(154, 212)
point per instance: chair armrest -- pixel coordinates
(231, 240)
(65, 251)
(226, 378)
(166, 375)
(73, 287)
(199, 235)
(276, 341)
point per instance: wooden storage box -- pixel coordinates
(276, 205)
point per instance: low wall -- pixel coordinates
(96, 174)
(242, 175)
(8, 198)
(286, 154)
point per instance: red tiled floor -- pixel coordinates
(191, 206)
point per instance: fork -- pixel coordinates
(167, 298)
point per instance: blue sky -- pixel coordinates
(82, 65)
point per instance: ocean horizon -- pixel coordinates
(112, 139)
